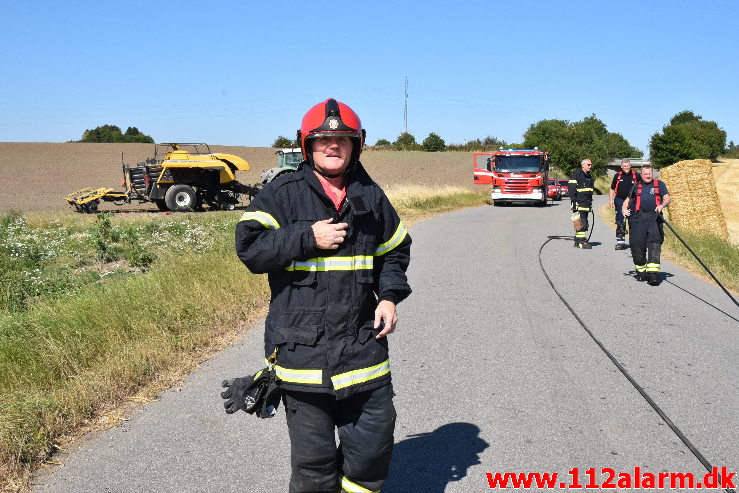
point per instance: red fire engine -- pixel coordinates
(517, 175)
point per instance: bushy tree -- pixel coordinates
(282, 142)
(433, 143)
(731, 151)
(687, 136)
(112, 133)
(568, 143)
(406, 142)
(383, 143)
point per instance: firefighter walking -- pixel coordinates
(643, 207)
(620, 188)
(581, 196)
(336, 253)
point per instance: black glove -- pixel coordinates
(258, 394)
(574, 206)
(234, 393)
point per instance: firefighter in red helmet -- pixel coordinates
(336, 253)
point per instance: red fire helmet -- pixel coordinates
(328, 118)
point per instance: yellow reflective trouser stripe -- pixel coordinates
(362, 375)
(322, 264)
(314, 377)
(394, 240)
(584, 189)
(640, 268)
(652, 267)
(264, 218)
(586, 209)
(351, 487)
(580, 234)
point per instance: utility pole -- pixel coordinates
(405, 108)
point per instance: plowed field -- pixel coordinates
(38, 176)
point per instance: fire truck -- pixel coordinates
(516, 175)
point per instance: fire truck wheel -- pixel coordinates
(180, 198)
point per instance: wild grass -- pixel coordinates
(72, 350)
(602, 185)
(414, 202)
(720, 256)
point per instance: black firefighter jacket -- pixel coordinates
(581, 190)
(321, 313)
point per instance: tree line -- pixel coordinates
(686, 136)
(112, 133)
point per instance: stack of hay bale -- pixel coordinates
(695, 204)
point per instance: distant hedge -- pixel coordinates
(112, 133)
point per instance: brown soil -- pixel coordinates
(38, 176)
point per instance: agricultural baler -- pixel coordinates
(180, 177)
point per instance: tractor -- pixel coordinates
(287, 161)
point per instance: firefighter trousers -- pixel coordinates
(646, 236)
(361, 462)
(582, 233)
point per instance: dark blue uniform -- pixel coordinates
(646, 227)
(621, 185)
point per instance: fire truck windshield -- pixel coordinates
(517, 164)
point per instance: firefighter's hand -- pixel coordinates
(611, 203)
(329, 236)
(626, 212)
(659, 208)
(386, 316)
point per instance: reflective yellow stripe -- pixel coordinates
(394, 240)
(652, 267)
(264, 218)
(640, 268)
(314, 377)
(580, 234)
(572, 181)
(583, 208)
(575, 216)
(362, 375)
(584, 189)
(349, 486)
(323, 264)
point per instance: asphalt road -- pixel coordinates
(492, 374)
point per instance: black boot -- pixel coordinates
(641, 276)
(653, 278)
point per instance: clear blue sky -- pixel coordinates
(244, 72)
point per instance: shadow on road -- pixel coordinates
(428, 462)
(698, 297)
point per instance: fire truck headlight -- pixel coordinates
(496, 189)
(537, 189)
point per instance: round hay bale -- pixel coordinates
(695, 205)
